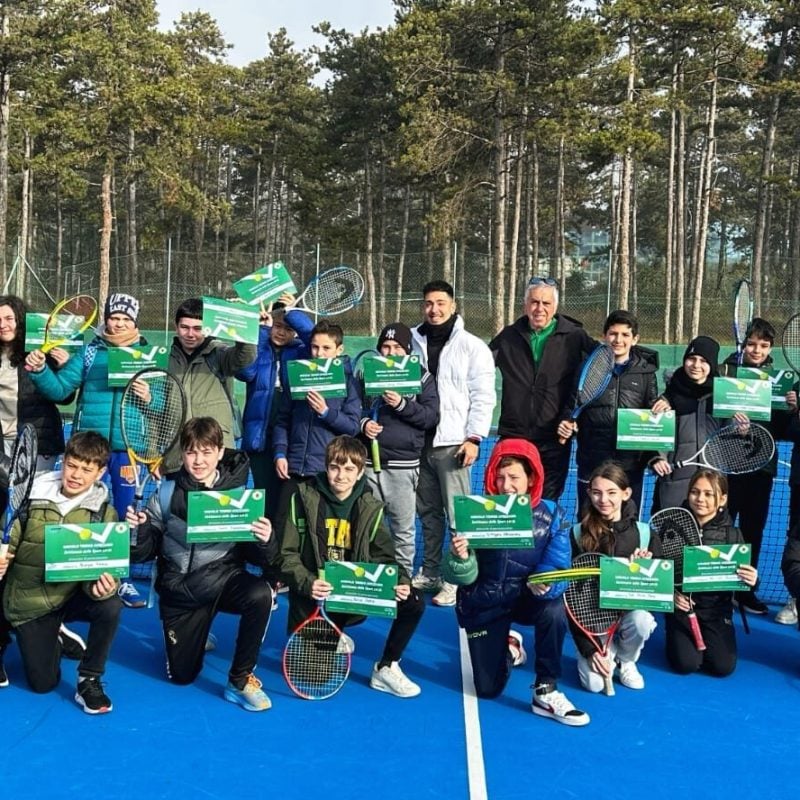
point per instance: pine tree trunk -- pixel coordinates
(105, 231)
(401, 264)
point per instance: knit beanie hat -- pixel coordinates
(705, 347)
(119, 303)
(396, 332)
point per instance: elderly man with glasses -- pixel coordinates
(539, 357)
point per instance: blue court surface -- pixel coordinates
(681, 737)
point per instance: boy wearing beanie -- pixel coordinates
(400, 432)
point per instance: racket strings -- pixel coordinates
(70, 317)
(596, 375)
(150, 428)
(23, 468)
(676, 528)
(738, 449)
(582, 598)
(790, 341)
(314, 662)
(742, 306)
(334, 292)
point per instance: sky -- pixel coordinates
(245, 23)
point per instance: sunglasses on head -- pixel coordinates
(536, 281)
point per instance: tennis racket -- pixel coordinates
(151, 424)
(332, 292)
(571, 574)
(70, 319)
(582, 601)
(734, 450)
(677, 528)
(371, 407)
(790, 342)
(315, 662)
(21, 473)
(594, 379)
(742, 314)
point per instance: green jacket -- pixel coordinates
(27, 596)
(207, 380)
(300, 554)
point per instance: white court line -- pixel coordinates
(476, 773)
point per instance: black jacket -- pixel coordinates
(536, 397)
(403, 436)
(635, 387)
(42, 413)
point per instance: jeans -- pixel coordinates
(441, 477)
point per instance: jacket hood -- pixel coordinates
(522, 449)
(648, 359)
(47, 488)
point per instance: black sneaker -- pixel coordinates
(72, 646)
(91, 697)
(3, 673)
(752, 605)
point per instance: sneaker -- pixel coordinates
(251, 698)
(628, 674)
(752, 605)
(91, 697)
(446, 596)
(3, 673)
(788, 614)
(211, 643)
(548, 702)
(72, 645)
(130, 596)
(426, 583)
(393, 680)
(518, 654)
(345, 645)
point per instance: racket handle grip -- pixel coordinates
(376, 456)
(694, 624)
(608, 689)
(3, 550)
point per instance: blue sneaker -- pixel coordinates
(130, 596)
(251, 698)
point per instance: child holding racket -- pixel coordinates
(335, 517)
(493, 590)
(37, 609)
(400, 428)
(97, 406)
(609, 527)
(707, 499)
(196, 581)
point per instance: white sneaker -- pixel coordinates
(426, 583)
(788, 614)
(446, 596)
(518, 655)
(393, 680)
(629, 675)
(346, 644)
(548, 702)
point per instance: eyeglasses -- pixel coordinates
(537, 281)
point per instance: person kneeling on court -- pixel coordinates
(196, 580)
(493, 590)
(335, 517)
(37, 609)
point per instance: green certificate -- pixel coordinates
(75, 552)
(646, 583)
(125, 362)
(781, 381)
(265, 285)
(35, 323)
(399, 374)
(713, 568)
(494, 520)
(751, 397)
(362, 588)
(641, 429)
(322, 375)
(223, 516)
(234, 322)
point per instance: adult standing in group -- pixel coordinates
(464, 371)
(539, 356)
(205, 368)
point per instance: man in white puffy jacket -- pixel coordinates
(464, 370)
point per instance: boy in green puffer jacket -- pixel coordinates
(37, 609)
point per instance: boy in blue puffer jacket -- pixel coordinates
(285, 334)
(493, 589)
